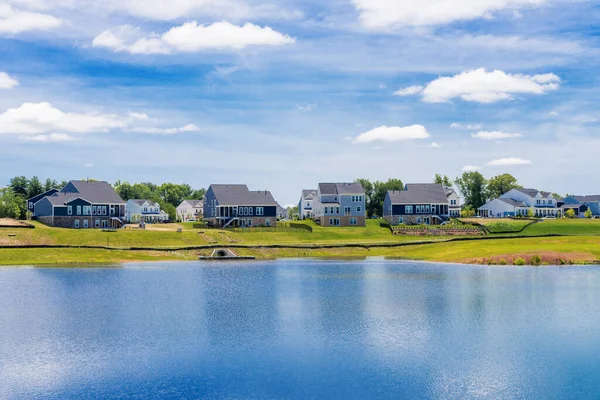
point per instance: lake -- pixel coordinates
(300, 329)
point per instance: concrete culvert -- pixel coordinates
(221, 253)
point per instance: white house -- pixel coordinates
(518, 202)
(307, 203)
(190, 210)
(144, 210)
(454, 201)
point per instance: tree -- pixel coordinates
(570, 213)
(12, 205)
(467, 212)
(501, 184)
(442, 180)
(588, 213)
(292, 212)
(34, 187)
(51, 184)
(530, 213)
(472, 186)
(198, 194)
(19, 185)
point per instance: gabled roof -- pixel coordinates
(306, 193)
(512, 202)
(42, 195)
(99, 192)
(450, 191)
(141, 202)
(584, 199)
(419, 193)
(194, 203)
(341, 188)
(234, 195)
(533, 192)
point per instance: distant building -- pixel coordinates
(144, 211)
(82, 204)
(454, 200)
(518, 202)
(340, 204)
(417, 204)
(31, 202)
(282, 212)
(592, 202)
(236, 206)
(190, 210)
(307, 202)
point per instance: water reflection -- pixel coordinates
(300, 329)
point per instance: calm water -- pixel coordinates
(300, 329)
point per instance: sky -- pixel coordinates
(283, 94)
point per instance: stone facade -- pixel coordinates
(69, 222)
(394, 220)
(256, 222)
(437, 231)
(344, 220)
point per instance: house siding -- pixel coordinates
(43, 208)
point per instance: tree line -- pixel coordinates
(13, 198)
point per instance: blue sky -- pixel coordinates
(284, 94)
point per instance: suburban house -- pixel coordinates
(190, 210)
(236, 206)
(592, 202)
(147, 211)
(418, 203)
(82, 204)
(282, 212)
(307, 202)
(31, 202)
(340, 204)
(454, 200)
(518, 202)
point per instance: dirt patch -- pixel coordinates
(13, 223)
(536, 258)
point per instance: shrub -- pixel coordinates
(519, 261)
(530, 213)
(570, 213)
(561, 262)
(536, 260)
(502, 262)
(588, 213)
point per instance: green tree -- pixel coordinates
(472, 186)
(293, 212)
(50, 184)
(501, 184)
(570, 213)
(467, 212)
(198, 194)
(442, 180)
(34, 187)
(169, 209)
(19, 185)
(530, 213)
(12, 205)
(588, 213)
(380, 189)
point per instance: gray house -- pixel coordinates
(82, 204)
(307, 203)
(340, 204)
(419, 203)
(236, 206)
(591, 201)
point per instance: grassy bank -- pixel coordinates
(582, 245)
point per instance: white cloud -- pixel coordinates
(6, 82)
(13, 21)
(487, 87)
(385, 14)
(306, 107)
(89, 165)
(191, 37)
(471, 127)
(510, 161)
(43, 122)
(408, 91)
(393, 134)
(53, 137)
(471, 168)
(435, 145)
(495, 135)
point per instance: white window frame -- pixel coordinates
(408, 209)
(97, 224)
(347, 210)
(86, 224)
(31, 204)
(419, 221)
(331, 221)
(69, 210)
(76, 224)
(358, 209)
(353, 221)
(78, 210)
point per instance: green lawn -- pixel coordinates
(564, 227)
(499, 225)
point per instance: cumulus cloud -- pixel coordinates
(507, 162)
(471, 127)
(482, 86)
(495, 135)
(13, 21)
(393, 134)
(306, 107)
(471, 168)
(7, 82)
(42, 122)
(435, 145)
(408, 91)
(191, 37)
(385, 14)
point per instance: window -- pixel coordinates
(337, 222)
(337, 210)
(97, 224)
(347, 210)
(267, 222)
(358, 209)
(400, 220)
(249, 222)
(360, 198)
(251, 210)
(330, 221)
(104, 210)
(427, 209)
(408, 210)
(353, 199)
(260, 211)
(418, 209)
(76, 224)
(93, 210)
(352, 221)
(87, 210)
(427, 221)
(85, 223)
(70, 210)
(419, 220)
(31, 204)
(326, 209)
(78, 210)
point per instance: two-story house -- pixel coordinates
(307, 202)
(82, 204)
(147, 211)
(592, 202)
(236, 206)
(340, 204)
(454, 200)
(190, 210)
(518, 202)
(417, 204)
(31, 202)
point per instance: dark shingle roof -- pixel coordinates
(233, 195)
(308, 192)
(419, 193)
(96, 192)
(195, 203)
(512, 202)
(341, 188)
(583, 199)
(533, 192)
(141, 202)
